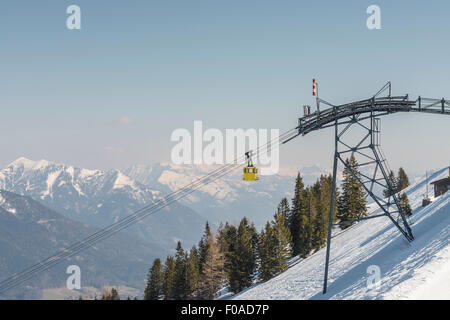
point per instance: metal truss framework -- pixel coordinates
(372, 171)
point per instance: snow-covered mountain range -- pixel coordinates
(416, 270)
(99, 198)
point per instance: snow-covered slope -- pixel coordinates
(229, 198)
(416, 270)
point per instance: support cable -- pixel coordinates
(138, 215)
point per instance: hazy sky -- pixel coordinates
(110, 95)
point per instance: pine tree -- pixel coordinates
(110, 294)
(155, 281)
(402, 180)
(298, 219)
(404, 204)
(240, 257)
(228, 239)
(352, 201)
(284, 209)
(192, 274)
(254, 235)
(211, 276)
(244, 258)
(223, 245)
(319, 223)
(114, 294)
(266, 249)
(322, 195)
(169, 278)
(203, 246)
(394, 184)
(275, 245)
(282, 239)
(311, 213)
(229, 244)
(180, 281)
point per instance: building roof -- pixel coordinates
(442, 181)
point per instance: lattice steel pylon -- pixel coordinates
(371, 170)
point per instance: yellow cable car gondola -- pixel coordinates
(250, 171)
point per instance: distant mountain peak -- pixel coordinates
(123, 181)
(44, 179)
(28, 163)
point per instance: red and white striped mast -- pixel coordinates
(316, 94)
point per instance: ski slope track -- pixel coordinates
(416, 270)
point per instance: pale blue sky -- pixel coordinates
(163, 64)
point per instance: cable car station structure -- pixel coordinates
(357, 130)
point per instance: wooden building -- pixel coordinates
(441, 186)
